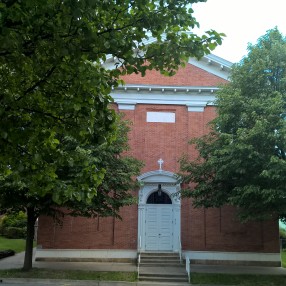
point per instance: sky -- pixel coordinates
(243, 22)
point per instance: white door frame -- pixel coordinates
(170, 184)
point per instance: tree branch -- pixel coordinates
(35, 85)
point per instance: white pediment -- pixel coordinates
(209, 63)
(159, 176)
(214, 65)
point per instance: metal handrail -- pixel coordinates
(139, 256)
(180, 249)
(138, 264)
(188, 268)
(140, 243)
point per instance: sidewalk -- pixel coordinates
(16, 261)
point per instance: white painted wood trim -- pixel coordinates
(214, 65)
(195, 101)
(171, 185)
(210, 63)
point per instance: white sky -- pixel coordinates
(243, 22)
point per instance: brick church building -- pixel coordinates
(166, 112)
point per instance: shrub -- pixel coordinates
(6, 253)
(1, 221)
(15, 232)
(282, 233)
(14, 225)
(14, 220)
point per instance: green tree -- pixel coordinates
(54, 94)
(241, 161)
(120, 171)
(112, 193)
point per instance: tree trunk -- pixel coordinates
(31, 219)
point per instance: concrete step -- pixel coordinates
(160, 253)
(163, 279)
(164, 254)
(168, 270)
(154, 261)
(160, 259)
(166, 258)
(162, 268)
(160, 264)
(147, 283)
(163, 275)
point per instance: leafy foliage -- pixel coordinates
(55, 92)
(282, 233)
(13, 225)
(116, 188)
(242, 160)
(54, 100)
(14, 219)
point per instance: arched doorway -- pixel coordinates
(159, 212)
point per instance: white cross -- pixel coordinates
(160, 162)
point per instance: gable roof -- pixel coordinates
(191, 75)
(213, 68)
(193, 86)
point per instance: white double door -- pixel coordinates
(159, 230)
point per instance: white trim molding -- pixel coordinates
(214, 65)
(194, 98)
(159, 176)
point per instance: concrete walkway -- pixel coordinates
(17, 260)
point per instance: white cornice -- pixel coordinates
(166, 88)
(214, 65)
(194, 98)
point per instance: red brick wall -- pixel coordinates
(211, 229)
(220, 230)
(189, 76)
(90, 233)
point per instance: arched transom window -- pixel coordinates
(159, 198)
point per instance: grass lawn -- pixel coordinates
(241, 279)
(69, 274)
(238, 279)
(18, 245)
